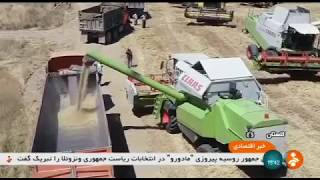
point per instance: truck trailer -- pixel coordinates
(57, 134)
(103, 23)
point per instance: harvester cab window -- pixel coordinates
(296, 41)
(198, 67)
(234, 92)
(236, 89)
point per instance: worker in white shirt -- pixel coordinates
(135, 19)
(99, 70)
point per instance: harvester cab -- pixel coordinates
(284, 40)
(213, 78)
(213, 102)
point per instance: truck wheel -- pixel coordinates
(89, 38)
(121, 28)
(207, 148)
(102, 40)
(252, 51)
(115, 35)
(108, 38)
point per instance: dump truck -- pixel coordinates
(213, 102)
(209, 12)
(56, 133)
(284, 41)
(103, 23)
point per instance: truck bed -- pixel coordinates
(100, 18)
(56, 132)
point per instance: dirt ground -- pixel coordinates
(24, 53)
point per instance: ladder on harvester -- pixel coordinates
(158, 105)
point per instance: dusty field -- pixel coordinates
(30, 15)
(24, 52)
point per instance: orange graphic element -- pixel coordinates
(294, 159)
(250, 146)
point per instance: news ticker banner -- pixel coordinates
(33, 159)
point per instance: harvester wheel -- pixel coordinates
(207, 148)
(252, 51)
(168, 118)
(172, 127)
(169, 122)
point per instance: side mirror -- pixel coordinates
(162, 65)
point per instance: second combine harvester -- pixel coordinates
(212, 101)
(284, 41)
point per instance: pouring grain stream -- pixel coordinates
(83, 85)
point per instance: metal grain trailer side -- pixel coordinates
(55, 135)
(103, 23)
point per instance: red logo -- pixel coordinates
(191, 82)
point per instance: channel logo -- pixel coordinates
(273, 159)
(294, 159)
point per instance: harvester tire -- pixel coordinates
(172, 127)
(207, 148)
(252, 51)
(169, 119)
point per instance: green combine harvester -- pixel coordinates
(209, 12)
(212, 101)
(284, 41)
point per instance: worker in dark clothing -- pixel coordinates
(144, 20)
(129, 57)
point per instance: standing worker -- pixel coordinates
(135, 19)
(99, 71)
(144, 20)
(129, 57)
